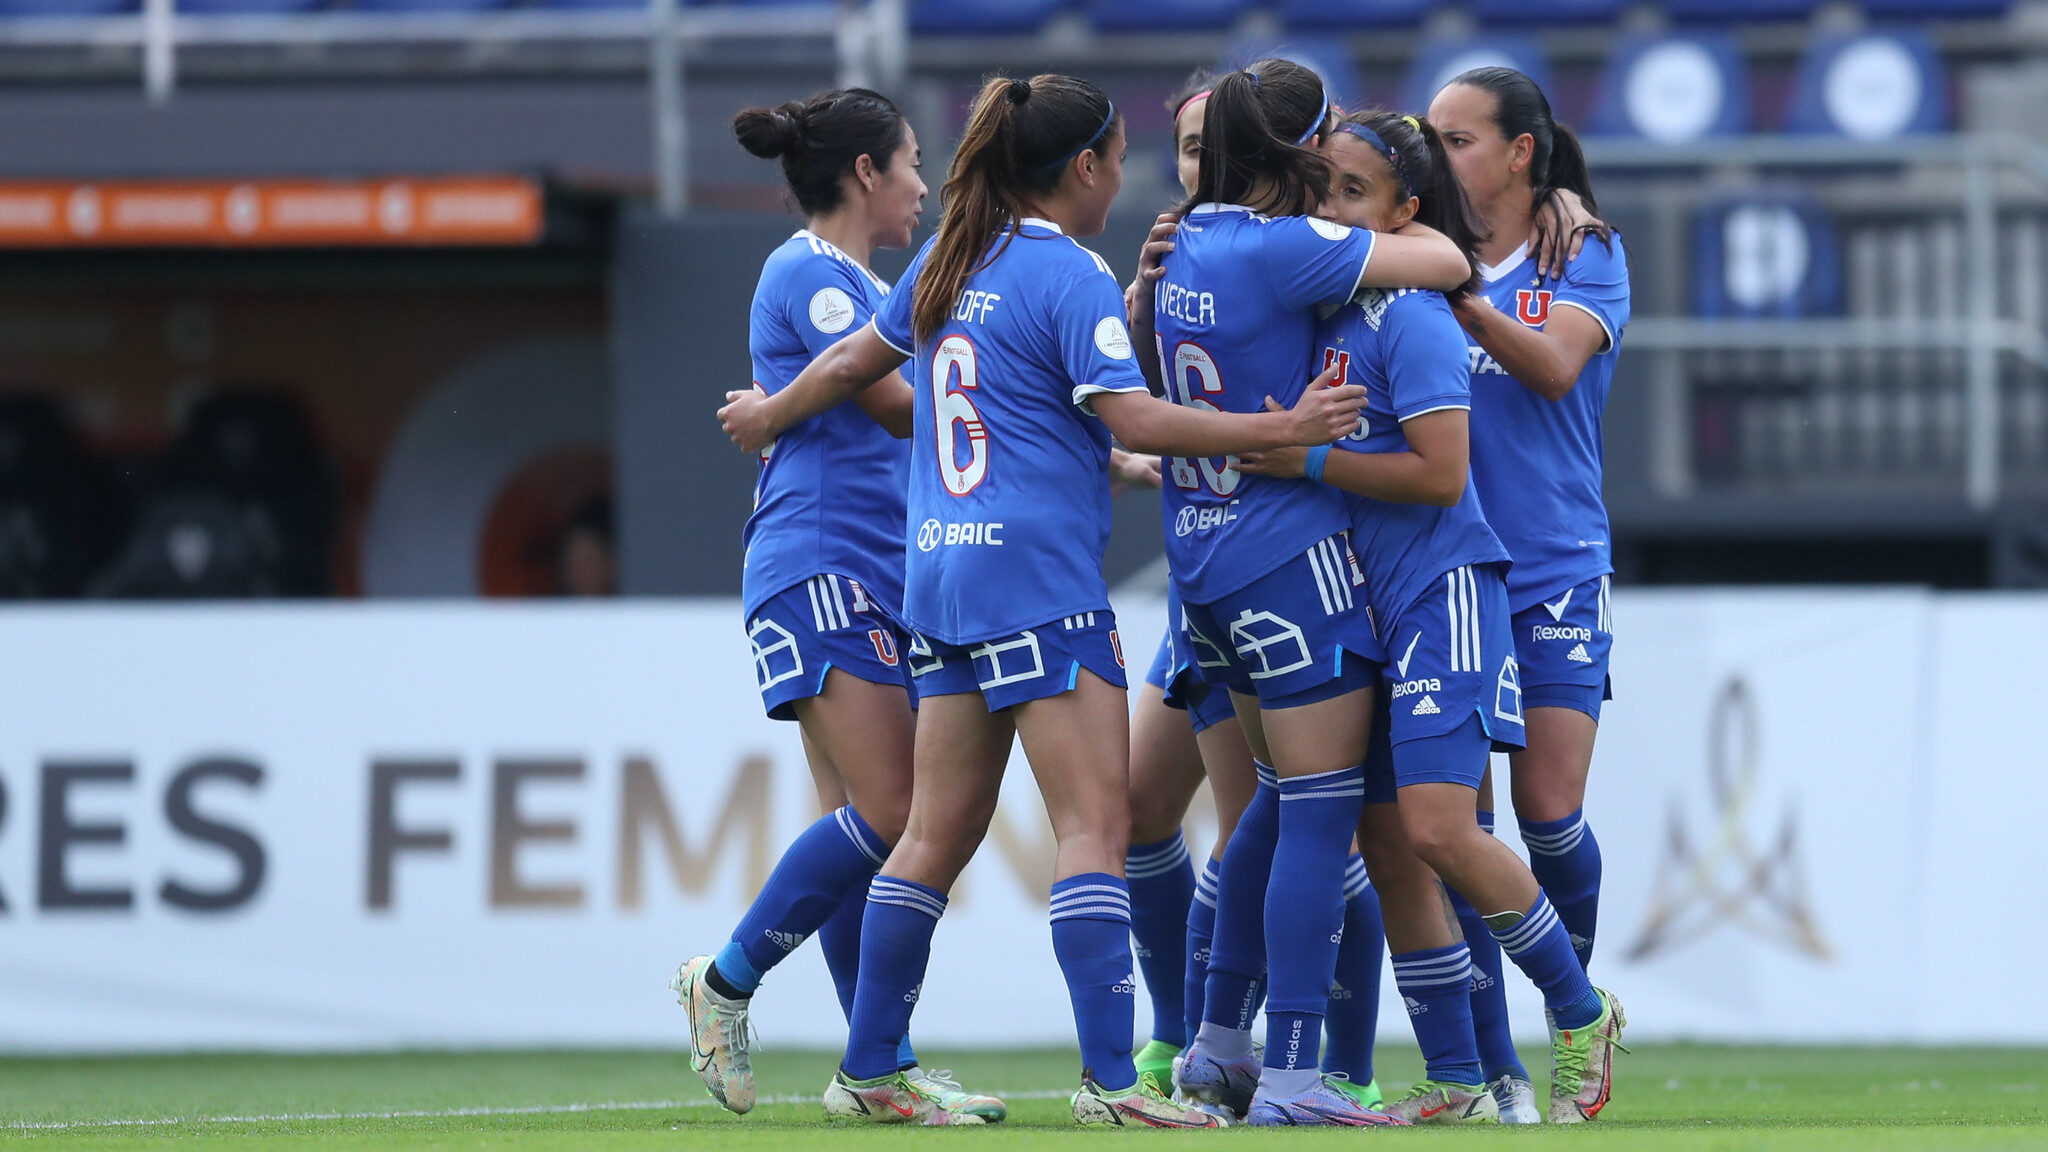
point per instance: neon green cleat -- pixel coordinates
(1582, 1064)
(941, 1086)
(1155, 1065)
(1367, 1094)
(719, 1037)
(1438, 1102)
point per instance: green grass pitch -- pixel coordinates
(1667, 1097)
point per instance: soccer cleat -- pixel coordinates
(1517, 1100)
(1582, 1064)
(1438, 1102)
(1225, 1084)
(891, 1099)
(1139, 1106)
(1329, 1104)
(1367, 1094)
(1155, 1063)
(718, 1037)
(953, 1098)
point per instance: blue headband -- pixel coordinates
(1085, 144)
(1372, 140)
(1322, 102)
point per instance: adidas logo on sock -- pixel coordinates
(1128, 986)
(1415, 1007)
(787, 941)
(1578, 655)
(1426, 707)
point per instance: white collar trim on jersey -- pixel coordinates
(1493, 272)
(813, 237)
(1219, 206)
(1042, 222)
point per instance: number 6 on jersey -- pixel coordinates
(951, 405)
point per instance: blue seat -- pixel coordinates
(1935, 9)
(1342, 15)
(1523, 13)
(227, 7)
(1766, 256)
(430, 5)
(1441, 60)
(1874, 85)
(1673, 89)
(981, 17)
(66, 7)
(1739, 11)
(1164, 15)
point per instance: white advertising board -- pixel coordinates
(360, 826)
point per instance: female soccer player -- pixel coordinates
(823, 585)
(1435, 574)
(1264, 569)
(1547, 347)
(1167, 767)
(1019, 342)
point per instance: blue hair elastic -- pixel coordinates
(1317, 457)
(1372, 140)
(1085, 144)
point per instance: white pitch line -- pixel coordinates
(446, 1113)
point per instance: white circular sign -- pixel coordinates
(1112, 338)
(831, 310)
(1872, 89)
(1674, 92)
(1328, 230)
(1764, 255)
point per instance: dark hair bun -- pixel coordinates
(769, 133)
(1019, 91)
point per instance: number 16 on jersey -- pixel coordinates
(1195, 375)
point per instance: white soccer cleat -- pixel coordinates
(1517, 1100)
(890, 1099)
(1438, 1102)
(1139, 1106)
(718, 1037)
(941, 1086)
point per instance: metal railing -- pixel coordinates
(869, 40)
(1939, 358)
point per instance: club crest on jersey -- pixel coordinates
(1532, 306)
(1342, 362)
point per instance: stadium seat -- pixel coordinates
(66, 7)
(1875, 85)
(1935, 9)
(225, 7)
(1739, 11)
(431, 5)
(1164, 15)
(1522, 13)
(981, 17)
(1766, 256)
(1439, 61)
(1342, 15)
(1673, 89)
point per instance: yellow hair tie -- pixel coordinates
(1413, 123)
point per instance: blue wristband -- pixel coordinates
(1313, 467)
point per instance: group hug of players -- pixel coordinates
(1366, 361)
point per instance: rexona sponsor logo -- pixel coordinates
(1410, 687)
(1560, 632)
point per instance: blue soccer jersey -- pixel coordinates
(1406, 348)
(1537, 462)
(1235, 315)
(831, 492)
(1009, 473)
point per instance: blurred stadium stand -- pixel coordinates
(1835, 214)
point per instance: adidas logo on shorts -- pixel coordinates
(1426, 707)
(1578, 655)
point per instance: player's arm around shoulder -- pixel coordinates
(1549, 357)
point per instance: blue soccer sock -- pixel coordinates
(1305, 910)
(1542, 949)
(895, 948)
(1162, 885)
(1091, 937)
(1201, 931)
(1566, 860)
(1489, 994)
(1353, 1023)
(820, 869)
(1437, 985)
(1237, 956)
(839, 940)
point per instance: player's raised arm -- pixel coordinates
(840, 373)
(1142, 423)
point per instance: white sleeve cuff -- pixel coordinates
(1084, 391)
(1438, 408)
(907, 352)
(1596, 319)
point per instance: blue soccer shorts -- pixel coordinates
(1294, 636)
(1181, 688)
(1564, 644)
(1038, 662)
(826, 622)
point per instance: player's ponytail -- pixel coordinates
(819, 140)
(1258, 128)
(1020, 138)
(1415, 151)
(1556, 162)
